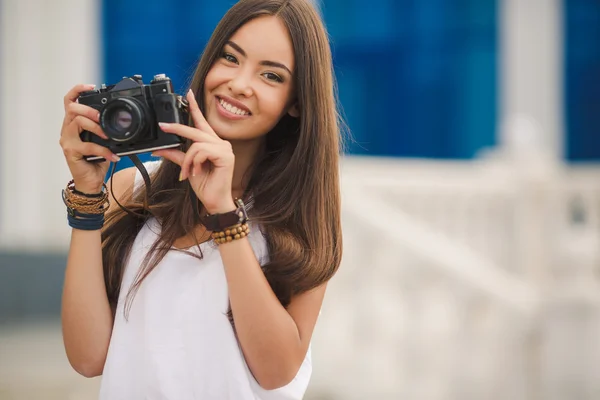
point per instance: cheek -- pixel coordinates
(210, 82)
(272, 110)
(274, 106)
(217, 76)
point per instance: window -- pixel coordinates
(582, 79)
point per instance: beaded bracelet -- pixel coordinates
(232, 233)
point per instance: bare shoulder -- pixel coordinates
(120, 186)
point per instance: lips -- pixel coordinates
(235, 103)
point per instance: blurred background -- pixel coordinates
(471, 187)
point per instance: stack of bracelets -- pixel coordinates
(232, 233)
(85, 211)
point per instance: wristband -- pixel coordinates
(85, 222)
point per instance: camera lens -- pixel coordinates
(122, 119)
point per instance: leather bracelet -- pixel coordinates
(86, 222)
(221, 222)
(90, 195)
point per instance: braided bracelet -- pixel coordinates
(90, 203)
(232, 233)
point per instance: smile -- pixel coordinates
(230, 111)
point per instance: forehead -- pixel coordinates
(266, 38)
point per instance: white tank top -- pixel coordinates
(177, 342)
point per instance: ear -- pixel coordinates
(294, 110)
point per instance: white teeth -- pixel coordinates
(232, 109)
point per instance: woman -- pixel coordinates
(166, 301)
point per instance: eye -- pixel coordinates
(229, 57)
(273, 77)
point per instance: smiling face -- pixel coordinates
(250, 86)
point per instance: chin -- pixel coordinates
(228, 134)
(239, 133)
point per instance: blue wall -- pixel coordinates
(416, 77)
(582, 79)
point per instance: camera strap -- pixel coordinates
(140, 166)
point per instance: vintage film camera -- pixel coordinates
(130, 112)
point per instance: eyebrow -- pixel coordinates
(264, 62)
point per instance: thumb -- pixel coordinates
(172, 155)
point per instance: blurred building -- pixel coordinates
(471, 189)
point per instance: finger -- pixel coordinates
(187, 132)
(188, 161)
(81, 123)
(173, 155)
(75, 109)
(208, 150)
(199, 161)
(77, 150)
(197, 116)
(93, 149)
(73, 94)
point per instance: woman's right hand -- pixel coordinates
(88, 176)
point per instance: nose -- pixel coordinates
(240, 85)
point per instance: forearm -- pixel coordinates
(267, 333)
(86, 315)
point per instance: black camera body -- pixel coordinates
(130, 112)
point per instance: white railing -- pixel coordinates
(449, 288)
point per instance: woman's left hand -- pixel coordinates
(208, 163)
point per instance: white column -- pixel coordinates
(47, 47)
(531, 75)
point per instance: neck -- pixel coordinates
(246, 152)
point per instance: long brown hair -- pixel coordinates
(294, 183)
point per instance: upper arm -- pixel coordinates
(304, 310)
